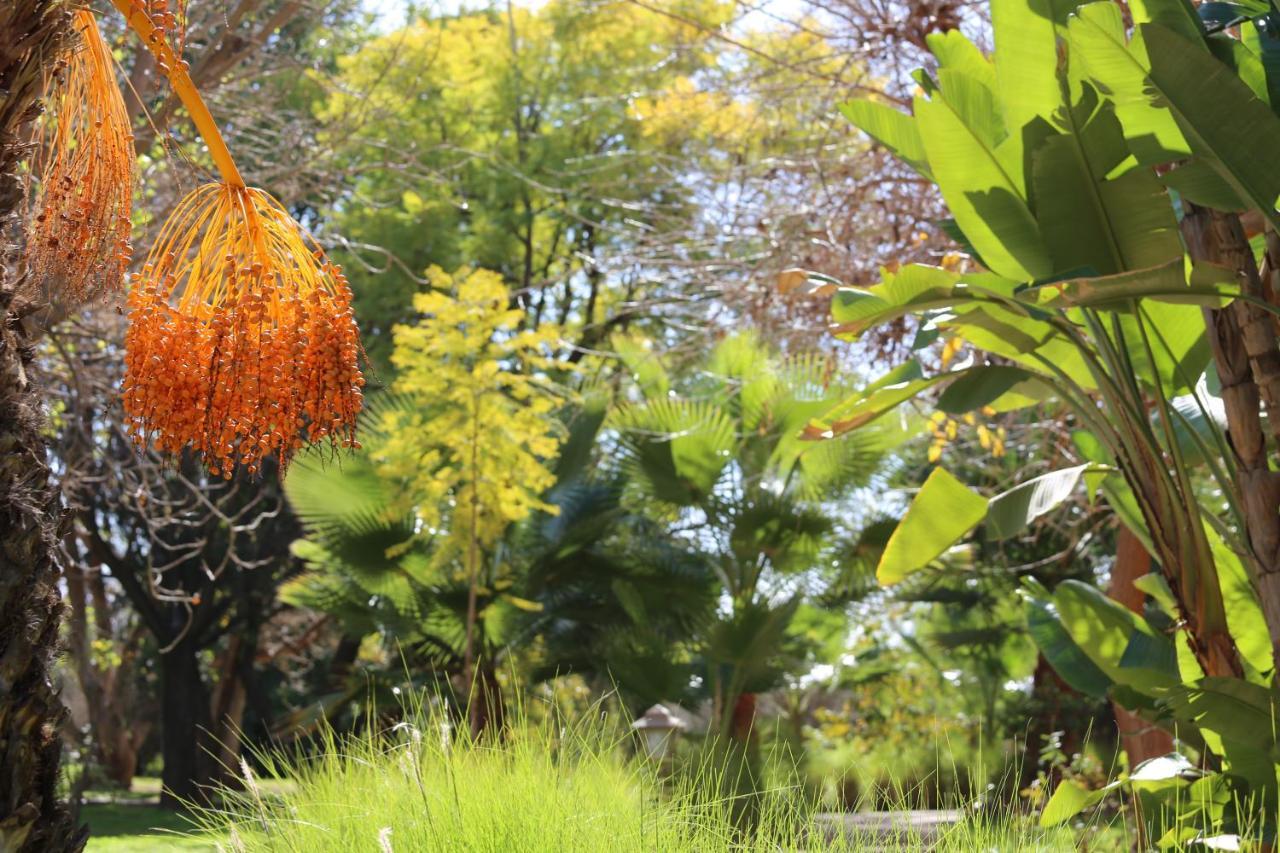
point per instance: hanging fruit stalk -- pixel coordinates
(80, 235)
(171, 18)
(242, 342)
(176, 70)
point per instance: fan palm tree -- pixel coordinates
(719, 455)
(31, 714)
(620, 599)
(590, 588)
(369, 571)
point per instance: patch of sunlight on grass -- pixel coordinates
(130, 827)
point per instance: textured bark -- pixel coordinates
(1243, 340)
(183, 726)
(31, 713)
(1141, 740)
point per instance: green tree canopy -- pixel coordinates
(520, 144)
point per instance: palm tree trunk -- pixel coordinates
(31, 714)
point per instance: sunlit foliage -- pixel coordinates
(475, 460)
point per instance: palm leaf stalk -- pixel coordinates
(251, 321)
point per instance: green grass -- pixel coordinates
(550, 786)
(545, 788)
(133, 822)
(132, 827)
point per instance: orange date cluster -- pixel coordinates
(80, 235)
(242, 342)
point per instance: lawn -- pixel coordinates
(133, 822)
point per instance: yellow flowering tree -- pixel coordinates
(473, 457)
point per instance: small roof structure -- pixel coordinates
(659, 717)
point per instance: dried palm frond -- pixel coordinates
(80, 235)
(242, 339)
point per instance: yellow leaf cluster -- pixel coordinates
(945, 430)
(684, 109)
(474, 454)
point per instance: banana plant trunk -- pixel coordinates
(1243, 340)
(32, 818)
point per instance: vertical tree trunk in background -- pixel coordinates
(230, 697)
(118, 731)
(1141, 740)
(742, 763)
(31, 817)
(487, 713)
(743, 724)
(1053, 699)
(183, 703)
(114, 741)
(343, 661)
(1243, 340)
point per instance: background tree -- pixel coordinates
(198, 559)
(589, 589)
(718, 455)
(195, 559)
(475, 461)
(680, 159)
(524, 155)
(621, 598)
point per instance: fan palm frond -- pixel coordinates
(786, 533)
(677, 448)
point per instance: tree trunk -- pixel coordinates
(1243, 340)
(230, 696)
(487, 713)
(743, 725)
(742, 763)
(343, 660)
(1054, 700)
(118, 730)
(183, 705)
(1141, 740)
(115, 741)
(31, 816)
